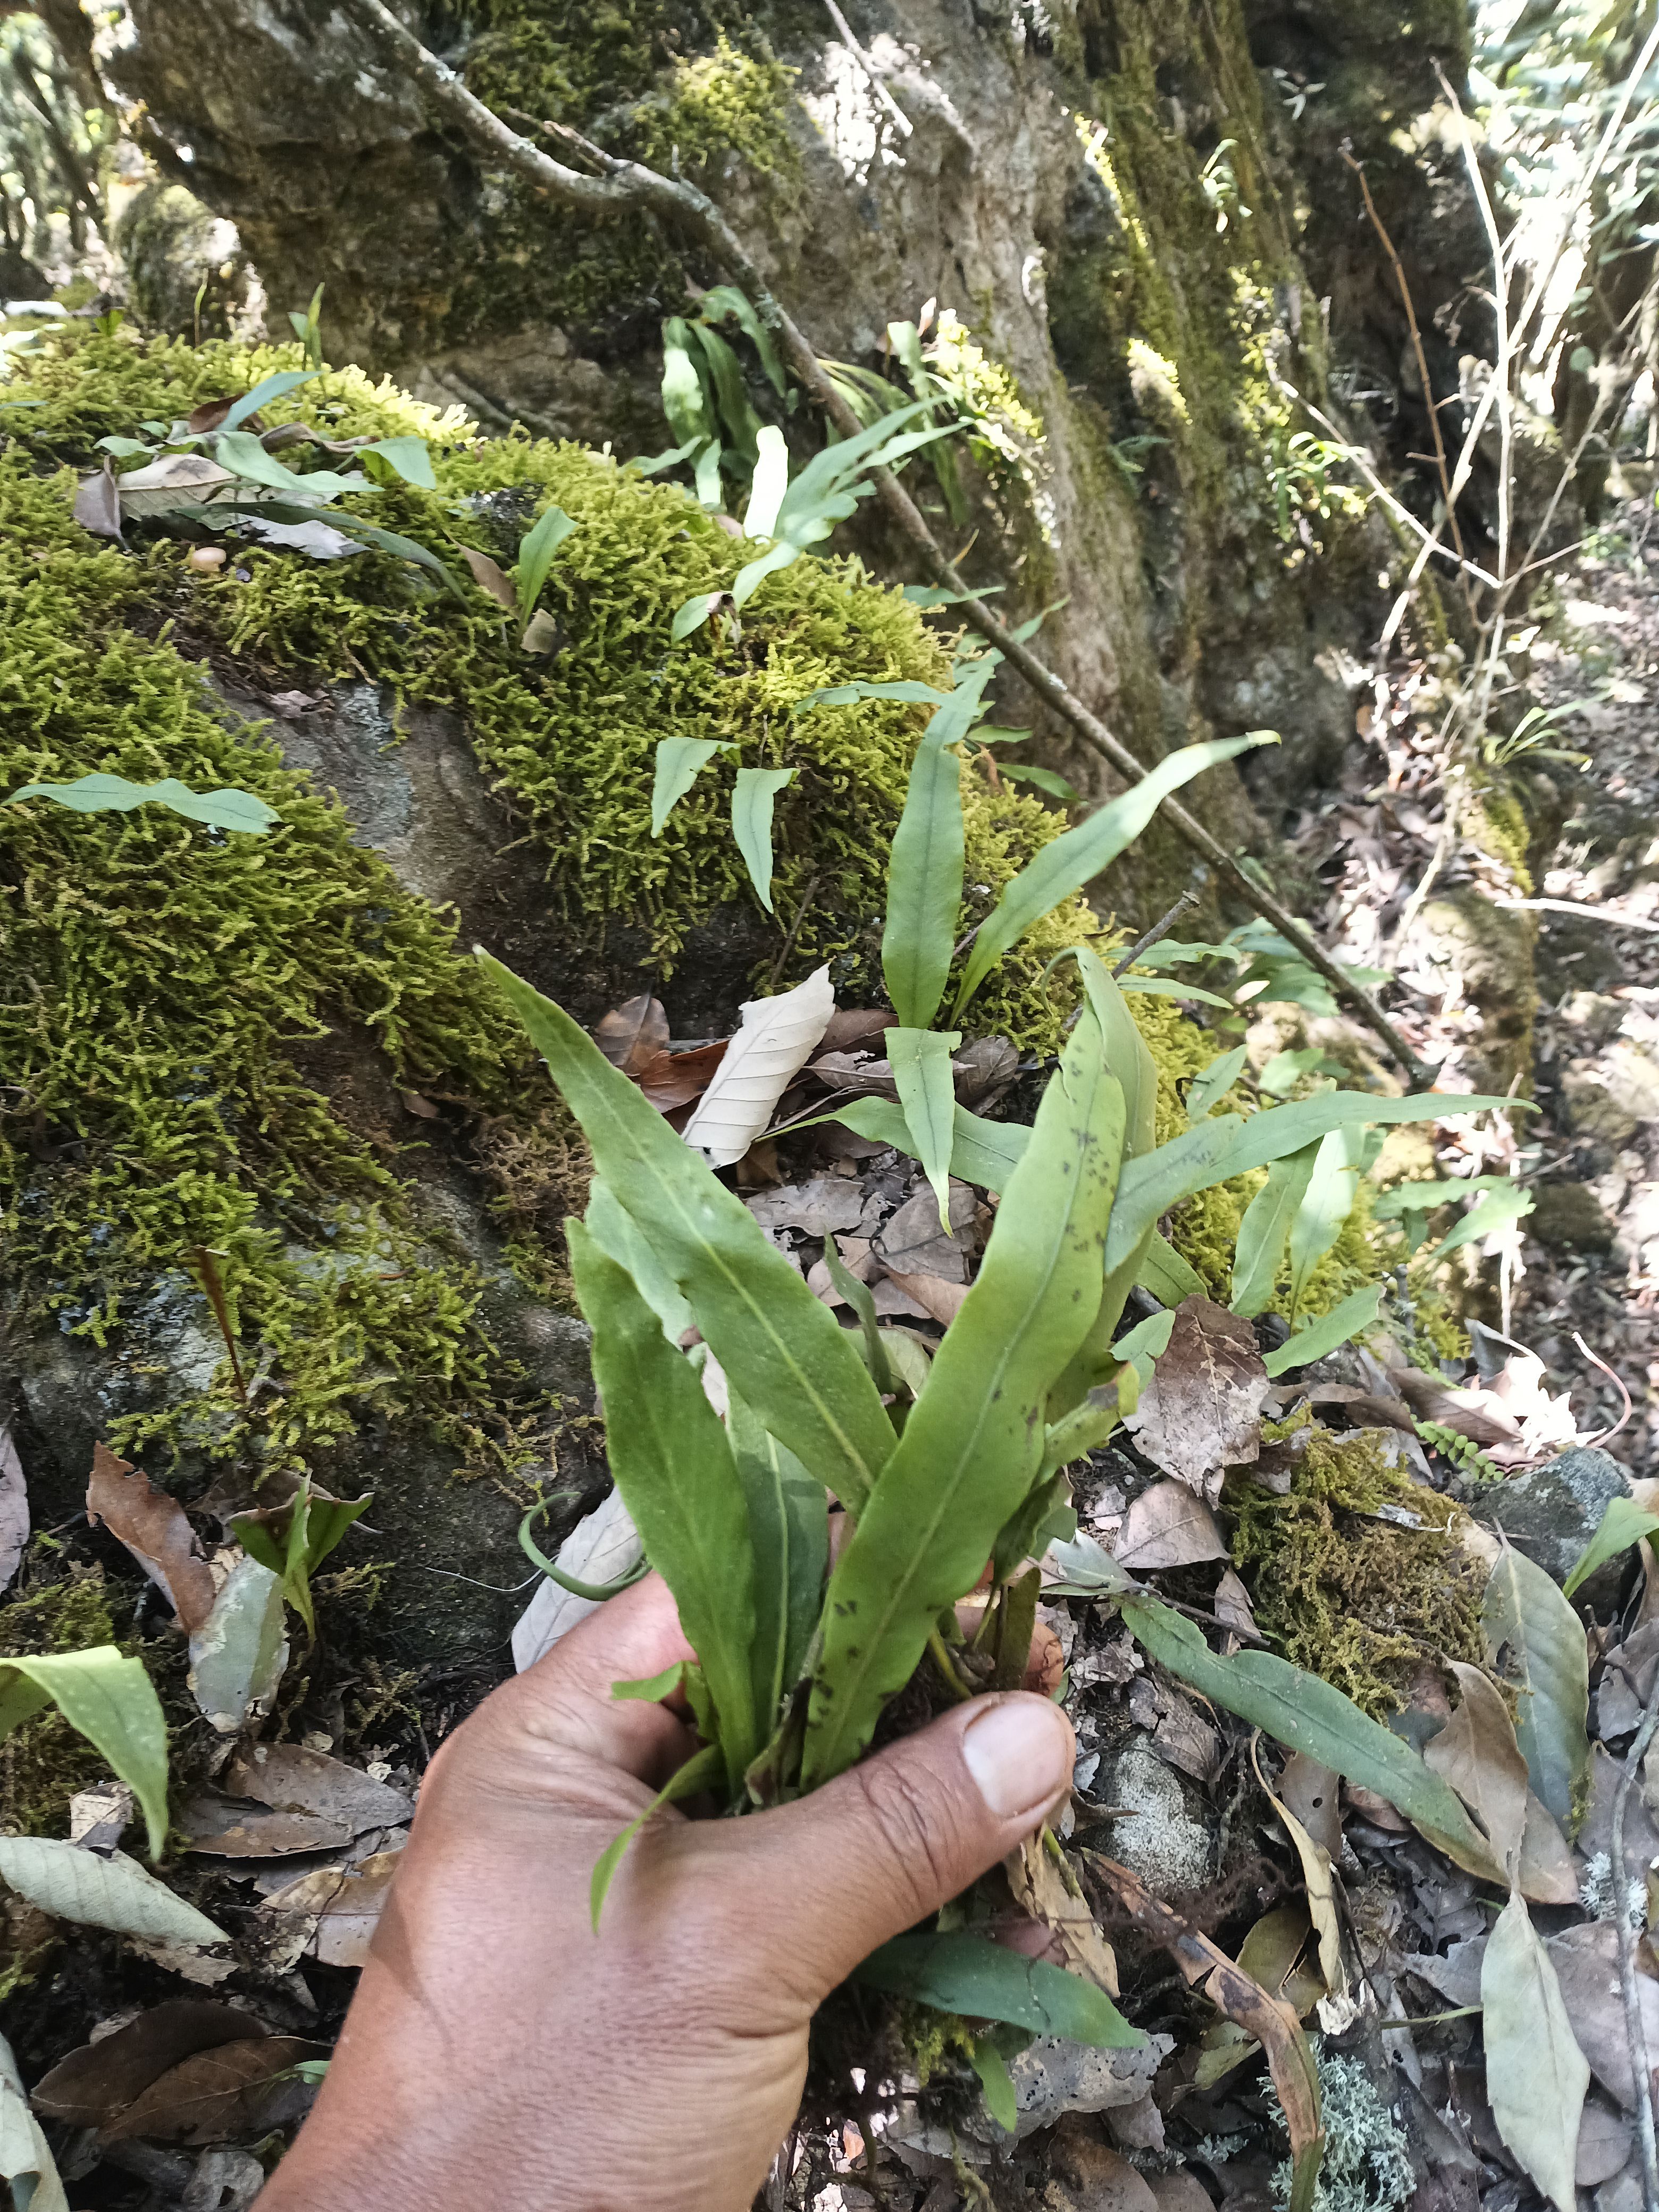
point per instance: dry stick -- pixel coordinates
(1158, 929)
(1394, 262)
(626, 184)
(1633, 2028)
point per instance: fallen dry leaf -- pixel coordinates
(912, 1243)
(1476, 1751)
(1313, 1794)
(98, 503)
(487, 574)
(1586, 1962)
(934, 1299)
(338, 1908)
(673, 1080)
(1168, 1527)
(632, 1036)
(14, 1508)
(291, 1777)
(1050, 1894)
(850, 1027)
(1472, 1413)
(92, 2085)
(1377, 1810)
(1201, 1412)
(1232, 1606)
(226, 1828)
(825, 1205)
(1319, 1880)
(777, 1038)
(154, 1528)
(855, 1072)
(221, 2093)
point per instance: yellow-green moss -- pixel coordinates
(1363, 1603)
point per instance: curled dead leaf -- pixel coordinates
(154, 1528)
(1201, 1412)
(1168, 1526)
(632, 1035)
(93, 2085)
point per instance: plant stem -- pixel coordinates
(947, 1671)
(630, 185)
(1158, 929)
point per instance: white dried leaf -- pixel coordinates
(237, 1654)
(777, 1038)
(25, 2160)
(14, 1508)
(601, 1549)
(72, 1884)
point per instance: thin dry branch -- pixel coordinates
(629, 184)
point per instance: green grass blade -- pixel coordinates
(920, 1061)
(1227, 1144)
(701, 1772)
(1326, 1204)
(1306, 1714)
(1623, 1523)
(1266, 1224)
(924, 872)
(962, 1973)
(752, 798)
(973, 1443)
(1077, 856)
(535, 562)
(781, 1347)
(674, 1468)
(1331, 1329)
(680, 762)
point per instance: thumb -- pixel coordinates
(831, 1877)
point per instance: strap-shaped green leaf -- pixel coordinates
(981, 1153)
(611, 1227)
(1306, 1714)
(1227, 1144)
(737, 417)
(724, 299)
(1331, 1329)
(1077, 856)
(1623, 1524)
(270, 387)
(789, 1530)
(752, 798)
(1540, 1639)
(680, 762)
(671, 1462)
(924, 871)
(114, 794)
(1326, 1204)
(110, 1700)
(684, 401)
(701, 1770)
(781, 1347)
(535, 562)
(1266, 1224)
(962, 1973)
(920, 1061)
(973, 1443)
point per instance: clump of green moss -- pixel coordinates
(1364, 1602)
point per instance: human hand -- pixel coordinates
(498, 2051)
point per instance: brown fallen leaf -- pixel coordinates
(1232, 1606)
(489, 576)
(208, 414)
(1476, 1414)
(1476, 1751)
(1201, 1412)
(825, 1205)
(337, 1908)
(1313, 1794)
(912, 1243)
(633, 1034)
(672, 1079)
(1278, 1953)
(983, 1069)
(940, 1301)
(851, 1027)
(154, 1528)
(1586, 1962)
(225, 1828)
(857, 1072)
(98, 503)
(1052, 1895)
(221, 2093)
(1168, 1527)
(14, 1508)
(413, 1103)
(92, 2085)
(291, 1777)
(1319, 1880)
(1271, 2021)
(1184, 1738)
(1547, 1873)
